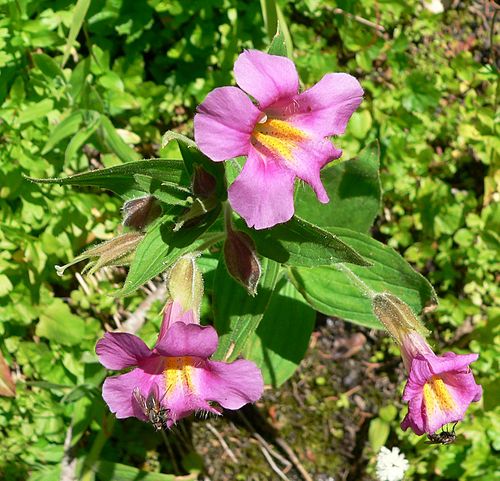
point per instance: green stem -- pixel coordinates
(91, 460)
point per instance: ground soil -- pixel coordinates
(315, 427)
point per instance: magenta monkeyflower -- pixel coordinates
(439, 388)
(178, 369)
(284, 136)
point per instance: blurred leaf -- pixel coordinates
(378, 432)
(109, 471)
(237, 314)
(35, 111)
(115, 143)
(91, 122)
(58, 324)
(79, 13)
(300, 243)
(270, 17)
(332, 291)
(48, 66)
(280, 342)
(68, 126)
(354, 190)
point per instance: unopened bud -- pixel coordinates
(115, 252)
(185, 284)
(396, 316)
(204, 183)
(241, 260)
(140, 212)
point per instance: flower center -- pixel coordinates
(278, 137)
(178, 372)
(437, 396)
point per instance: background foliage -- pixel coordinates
(96, 83)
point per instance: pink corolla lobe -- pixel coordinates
(178, 368)
(439, 388)
(284, 135)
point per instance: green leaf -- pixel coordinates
(109, 471)
(167, 192)
(121, 178)
(270, 17)
(280, 342)
(65, 128)
(58, 324)
(79, 13)
(332, 290)
(161, 247)
(354, 190)
(92, 121)
(300, 243)
(35, 111)
(278, 44)
(378, 432)
(115, 143)
(48, 66)
(237, 314)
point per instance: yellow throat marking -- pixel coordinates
(179, 373)
(279, 137)
(437, 396)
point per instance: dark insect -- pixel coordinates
(444, 437)
(151, 407)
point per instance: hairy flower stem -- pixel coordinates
(367, 291)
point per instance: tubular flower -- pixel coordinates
(439, 388)
(284, 136)
(178, 369)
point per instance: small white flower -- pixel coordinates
(434, 6)
(391, 465)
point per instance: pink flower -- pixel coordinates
(439, 389)
(177, 371)
(284, 136)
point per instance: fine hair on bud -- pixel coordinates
(241, 260)
(396, 316)
(140, 212)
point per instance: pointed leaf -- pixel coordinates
(300, 243)
(121, 178)
(332, 291)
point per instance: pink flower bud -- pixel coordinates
(241, 260)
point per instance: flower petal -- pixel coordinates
(231, 384)
(118, 350)
(267, 78)
(188, 340)
(173, 312)
(326, 107)
(439, 391)
(308, 159)
(263, 192)
(117, 391)
(224, 122)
